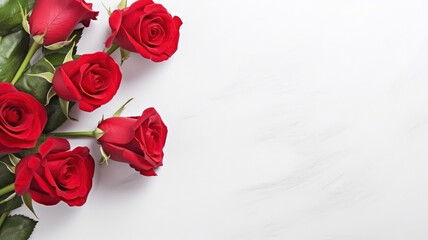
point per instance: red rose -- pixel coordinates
(58, 18)
(22, 119)
(92, 80)
(147, 28)
(55, 174)
(138, 141)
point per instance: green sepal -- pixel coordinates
(69, 55)
(122, 4)
(102, 119)
(39, 39)
(60, 45)
(13, 49)
(120, 110)
(98, 133)
(14, 160)
(107, 9)
(65, 107)
(10, 14)
(26, 26)
(24, 15)
(28, 202)
(51, 93)
(124, 54)
(17, 227)
(74, 38)
(104, 157)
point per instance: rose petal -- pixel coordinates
(118, 130)
(64, 87)
(53, 145)
(24, 173)
(115, 21)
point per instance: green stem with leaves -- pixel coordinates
(27, 59)
(8, 188)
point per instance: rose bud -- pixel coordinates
(55, 174)
(22, 119)
(56, 19)
(138, 141)
(92, 80)
(147, 28)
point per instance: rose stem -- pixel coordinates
(3, 217)
(112, 49)
(74, 134)
(24, 64)
(8, 188)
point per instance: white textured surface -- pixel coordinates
(300, 120)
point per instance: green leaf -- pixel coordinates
(15, 203)
(56, 59)
(28, 201)
(17, 227)
(34, 80)
(13, 49)
(10, 14)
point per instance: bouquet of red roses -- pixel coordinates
(36, 162)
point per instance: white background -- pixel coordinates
(293, 119)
